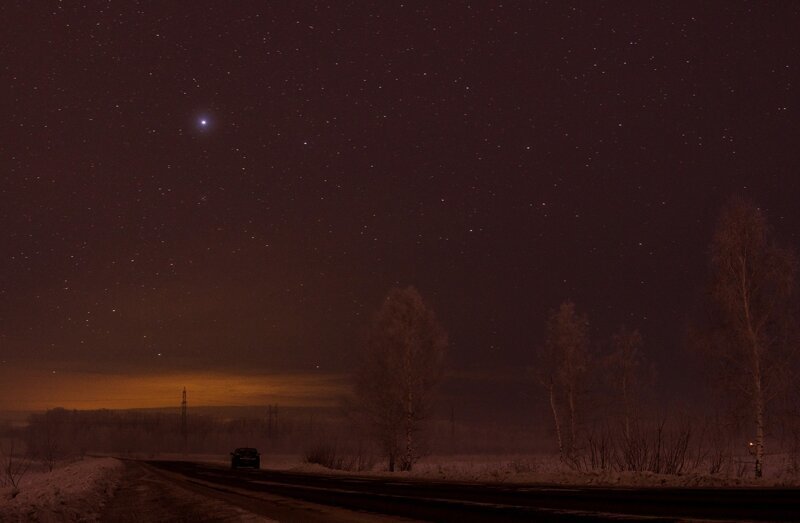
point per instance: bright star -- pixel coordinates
(203, 123)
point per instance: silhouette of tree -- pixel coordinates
(563, 365)
(625, 371)
(401, 365)
(753, 281)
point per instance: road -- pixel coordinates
(145, 494)
(289, 496)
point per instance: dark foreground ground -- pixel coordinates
(184, 491)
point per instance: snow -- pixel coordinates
(71, 492)
(80, 490)
(528, 469)
(541, 469)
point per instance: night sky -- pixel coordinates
(233, 187)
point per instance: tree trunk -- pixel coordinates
(408, 455)
(759, 443)
(452, 427)
(627, 408)
(572, 439)
(758, 390)
(556, 421)
(759, 412)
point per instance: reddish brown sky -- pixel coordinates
(501, 157)
(41, 390)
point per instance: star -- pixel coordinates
(203, 123)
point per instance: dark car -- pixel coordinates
(245, 457)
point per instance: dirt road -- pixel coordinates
(148, 494)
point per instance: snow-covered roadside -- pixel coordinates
(546, 470)
(541, 469)
(75, 491)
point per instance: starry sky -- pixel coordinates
(206, 186)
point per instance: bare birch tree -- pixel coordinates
(624, 366)
(402, 364)
(753, 280)
(563, 366)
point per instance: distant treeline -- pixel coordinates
(61, 433)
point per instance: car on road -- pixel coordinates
(245, 457)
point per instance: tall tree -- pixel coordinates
(624, 364)
(402, 363)
(563, 366)
(753, 281)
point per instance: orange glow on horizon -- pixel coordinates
(40, 390)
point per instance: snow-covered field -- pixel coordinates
(546, 469)
(528, 468)
(78, 490)
(531, 469)
(75, 491)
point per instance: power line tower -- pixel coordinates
(184, 425)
